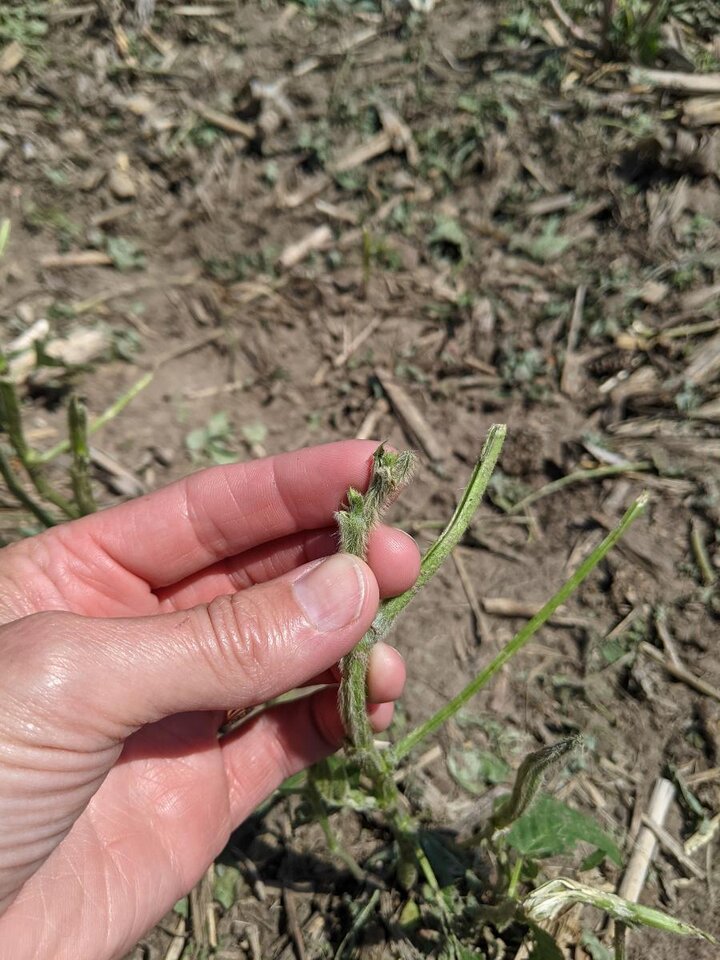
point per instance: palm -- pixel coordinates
(166, 807)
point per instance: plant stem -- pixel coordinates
(409, 742)
(16, 489)
(112, 411)
(453, 532)
(515, 878)
(611, 470)
(11, 421)
(620, 940)
(80, 470)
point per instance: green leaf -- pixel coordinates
(550, 827)
(597, 950)
(475, 769)
(182, 907)
(544, 946)
(449, 234)
(217, 425)
(225, 885)
(124, 253)
(254, 432)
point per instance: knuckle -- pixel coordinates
(40, 660)
(241, 639)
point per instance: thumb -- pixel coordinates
(234, 652)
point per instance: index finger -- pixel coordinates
(222, 511)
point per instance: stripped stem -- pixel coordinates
(408, 743)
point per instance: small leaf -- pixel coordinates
(551, 827)
(475, 769)
(225, 885)
(597, 950)
(217, 425)
(410, 915)
(182, 907)
(547, 901)
(254, 432)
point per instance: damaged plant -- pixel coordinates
(523, 827)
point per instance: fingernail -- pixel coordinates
(332, 594)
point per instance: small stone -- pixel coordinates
(164, 455)
(73, 139)
(121, 185)
(654, 292)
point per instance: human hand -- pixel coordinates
(124, 638)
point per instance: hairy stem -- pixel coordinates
(391, 471)
(408, 743)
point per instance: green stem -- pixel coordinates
(112, 411)
(408, 743)
(620, 939)
(80, 470)
(515, 878)
(11, 421)
(16, 489)
(453, 532)
(579, 476)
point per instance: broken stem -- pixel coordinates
(112, 411)
(408, 743)
(16, 489)
(80, 470)
(11, 422)
(596, 473)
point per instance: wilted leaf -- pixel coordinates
(550, 827)
(551, 898)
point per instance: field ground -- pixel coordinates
(290, 211)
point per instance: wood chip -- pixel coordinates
(702, 111)
(673, 80)
(78, 258)
(318, 239)
(117, 478)
(508, 607)
(671, 846)
(221, 120)
(368, 427)
(410, 417)
(680, 673)
(705, 362)
(646, 844)
(293, 926)
(11, 56)
(364, 152)
(570, 378)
